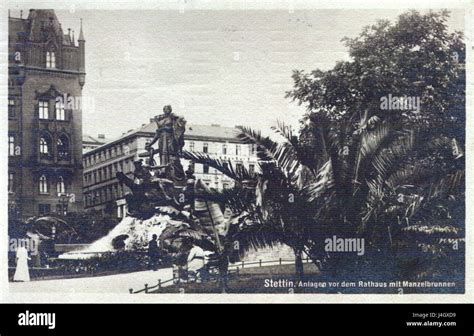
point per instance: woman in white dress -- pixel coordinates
(22, 273)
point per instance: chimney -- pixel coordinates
(101, 136)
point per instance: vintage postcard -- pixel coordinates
(285, 151)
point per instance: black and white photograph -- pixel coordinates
(240, 150)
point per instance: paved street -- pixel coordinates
(118, 283)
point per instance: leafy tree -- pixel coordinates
(414, 57)
(387, 164)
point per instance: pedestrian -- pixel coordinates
(153, 253)
(22, 272)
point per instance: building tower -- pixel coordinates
(46, 77)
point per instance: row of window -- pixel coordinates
(238, 167)
(215, 185)
(224, 149)
(45, 209)
(105, 155)
(44, 185)
(105, 194)
(45, 146)
(107, 172)
(120, 149)
(62, 146)
(43, 110)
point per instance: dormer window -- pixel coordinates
(50, 59)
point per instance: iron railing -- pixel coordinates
(233, 269)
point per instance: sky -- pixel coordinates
(227, 67)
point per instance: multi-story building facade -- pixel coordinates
(104, 192)
(46, 74)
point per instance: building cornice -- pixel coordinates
(46, 70)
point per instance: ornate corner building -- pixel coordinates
(46, 74)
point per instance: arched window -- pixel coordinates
(50, 59)
(45, 145)
(60, 186)
(63, 147)
(43, 185)
(60, 111)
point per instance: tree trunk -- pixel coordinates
(299, 264)
(223, 271)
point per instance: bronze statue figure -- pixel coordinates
(170, 137)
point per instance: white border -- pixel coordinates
(6, 296)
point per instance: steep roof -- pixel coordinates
(39, 19)
(37, 26)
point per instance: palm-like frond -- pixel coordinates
(238, 199)
(265, 145)
(442, 188)
(286, 132)
(285, 154)
(386, 161)
(324, 181)
(254, 236)
(224, 166)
